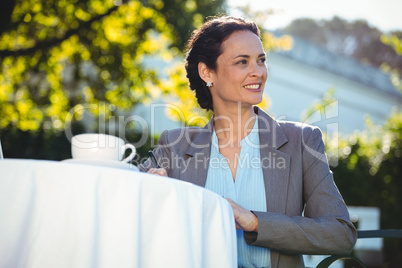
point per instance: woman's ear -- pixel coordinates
(204, 72)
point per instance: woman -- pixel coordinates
(271, 172)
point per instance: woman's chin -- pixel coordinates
(256, 101)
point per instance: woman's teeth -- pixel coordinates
(256, 86)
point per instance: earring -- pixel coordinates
(209, 84)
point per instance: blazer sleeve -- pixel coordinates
(325, 227)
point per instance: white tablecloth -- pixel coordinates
(59, 214)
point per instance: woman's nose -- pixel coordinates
(257, 70)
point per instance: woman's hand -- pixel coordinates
(158, 171)
(245, 219)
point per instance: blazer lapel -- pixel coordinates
(275, 167)
(275, 163)
(195, 166)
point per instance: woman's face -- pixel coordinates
(241, 71)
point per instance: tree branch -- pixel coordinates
(50, 43)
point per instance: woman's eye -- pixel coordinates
(262, 60)
(242, 62)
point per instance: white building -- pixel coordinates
(301, 76)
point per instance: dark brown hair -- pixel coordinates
(204, 46)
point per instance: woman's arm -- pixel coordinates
(325, 227)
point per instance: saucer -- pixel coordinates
(103, 163)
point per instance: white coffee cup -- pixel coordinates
(94, 146)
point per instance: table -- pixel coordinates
(60, 214)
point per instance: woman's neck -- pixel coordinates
(233, 125)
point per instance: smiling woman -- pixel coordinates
(207, 47)
(271, 172)
(241, 72)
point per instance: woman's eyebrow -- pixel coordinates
(242, 56)
(247, 56)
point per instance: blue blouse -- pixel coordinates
(247, 190)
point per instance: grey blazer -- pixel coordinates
(305, 211)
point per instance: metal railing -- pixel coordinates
(394, 233)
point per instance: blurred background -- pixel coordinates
(116, 66)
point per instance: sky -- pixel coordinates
(386, 15)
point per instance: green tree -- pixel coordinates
(57, 58)
(367, 169)
(394, 41)
(58, 55)
(369, 173)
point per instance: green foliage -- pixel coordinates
(185, 15)
(183, 106)
(47, 145)
(56, 55)
(396, 74)
(369, 173)
(394, 42)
